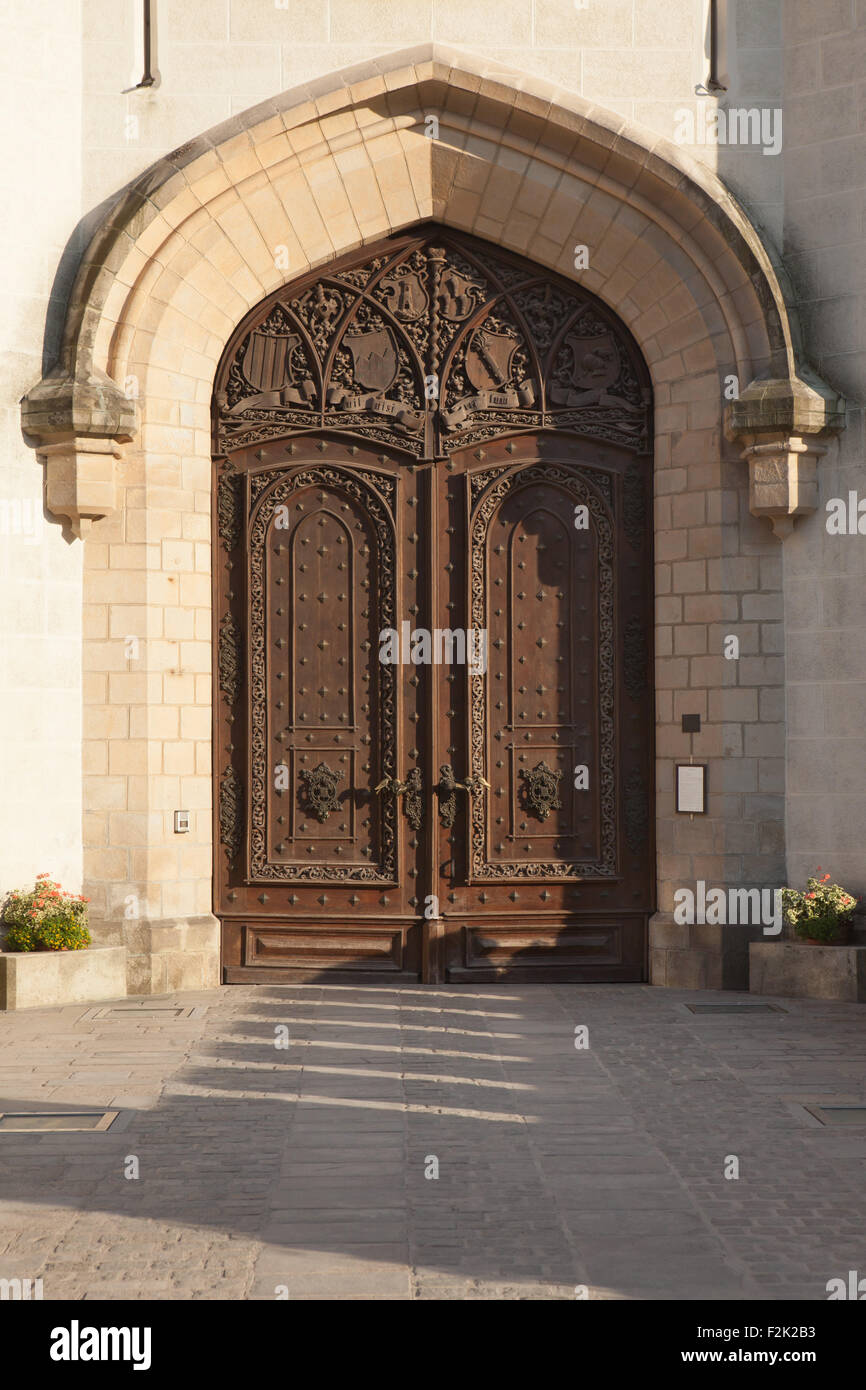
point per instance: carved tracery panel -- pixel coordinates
(435, 344)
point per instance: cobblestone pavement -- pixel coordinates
(304, 1169)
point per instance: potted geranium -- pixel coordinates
(822, 913)
(46, 918)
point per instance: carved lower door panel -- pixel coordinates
(319, 770)
(545, 855)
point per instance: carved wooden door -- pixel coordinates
(321, 797)
(433, 742)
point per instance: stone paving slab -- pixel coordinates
(306, 1172)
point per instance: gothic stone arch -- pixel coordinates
(122, 419)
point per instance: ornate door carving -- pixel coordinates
(433, 437)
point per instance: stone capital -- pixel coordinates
(82, 403)
(777, 424)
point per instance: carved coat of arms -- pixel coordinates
(596, 362)
(488, 359)
(595, 368)
(458, 296)
(374, 358)
(405, 296)
(266, 365)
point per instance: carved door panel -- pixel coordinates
(321, 779)
(545, 851)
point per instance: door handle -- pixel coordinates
(447, 788)
(412, 793)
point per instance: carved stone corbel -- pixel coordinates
(80, 480)
(777, 423)
(79, 424)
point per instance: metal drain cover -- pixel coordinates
(839, 1114)
(166, 1013)
(735, 1009)
(25, 1121)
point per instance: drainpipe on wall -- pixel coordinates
(149, 77)
(718, 45)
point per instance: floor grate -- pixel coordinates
(165, 1013)
(735, 1009)
(838, 1114)
(21, 1122)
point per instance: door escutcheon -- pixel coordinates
(542, 790)
(320, 790)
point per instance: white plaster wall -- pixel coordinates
(40, 573)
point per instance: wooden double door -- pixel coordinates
(433, 695)
(442, 757)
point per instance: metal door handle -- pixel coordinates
(448, 786)
(412, 792)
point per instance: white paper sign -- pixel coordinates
(690, 789)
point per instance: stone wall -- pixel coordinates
(317, 173)
(825, 574)
(640, 59)
(40, 567)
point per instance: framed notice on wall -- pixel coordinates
(691, 788)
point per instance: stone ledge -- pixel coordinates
(797, 970)
(42, 979)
